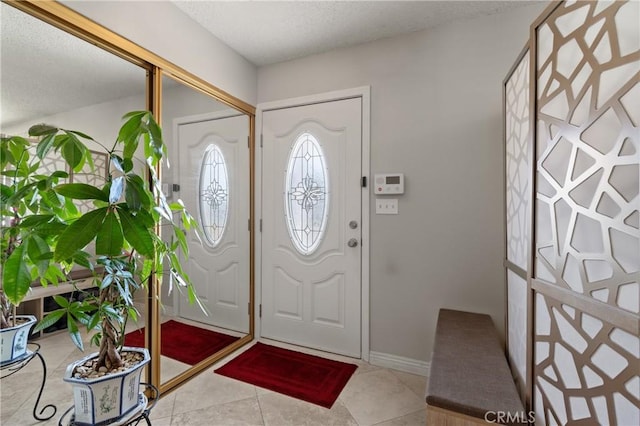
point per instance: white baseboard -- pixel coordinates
(399, 363)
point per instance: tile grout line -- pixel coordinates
(255, 389)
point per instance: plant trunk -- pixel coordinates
(6, 311)
(108, 356)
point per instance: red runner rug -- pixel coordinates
(306, 377)
(183, 342)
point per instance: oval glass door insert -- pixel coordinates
(214, 195)
(306, 194)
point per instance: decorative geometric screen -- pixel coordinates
(585, 368)
(517, 295)
(214, 195)
(306, 194)
(518, 163)
(96, 177)
(52, 162)
(587, 234)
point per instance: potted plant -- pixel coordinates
(121, 227)
(26, 199)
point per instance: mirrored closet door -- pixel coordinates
(208, 143)
(60, 68)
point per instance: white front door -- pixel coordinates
(311, 234)
(214, 185)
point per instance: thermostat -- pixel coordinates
(389, 183)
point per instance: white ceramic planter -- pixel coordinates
(14, 340)
(106, 399)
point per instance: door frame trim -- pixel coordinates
(364, 93)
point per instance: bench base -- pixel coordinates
(437, 416)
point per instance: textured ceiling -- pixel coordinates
(267, 32)
(46, 71)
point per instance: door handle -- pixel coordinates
(353, 242)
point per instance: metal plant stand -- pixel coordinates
(133, 418)
(33, 350)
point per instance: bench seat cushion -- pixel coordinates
(469, 373)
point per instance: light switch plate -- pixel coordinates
(386, 206)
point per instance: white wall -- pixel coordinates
(436, 102)
(165, 30)
(100, 121)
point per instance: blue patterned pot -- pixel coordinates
(106, 399)
(14, 340)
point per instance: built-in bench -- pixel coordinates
(470, 382)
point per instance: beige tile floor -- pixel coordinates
(373, 396)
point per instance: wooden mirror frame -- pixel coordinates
(78, 25)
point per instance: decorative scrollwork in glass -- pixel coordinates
(306, 194)
(214, 195)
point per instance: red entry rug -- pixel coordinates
(183, 342)
(306, 377)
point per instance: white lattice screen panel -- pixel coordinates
(586, 369)
(52, 162)
(518, 163)
(517, 294)
(587, 233)
(518, 141)
(96, 177)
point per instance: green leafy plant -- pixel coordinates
(47, 234)
(32, 217)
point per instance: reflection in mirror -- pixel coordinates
(209, 173)
(50, 76)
